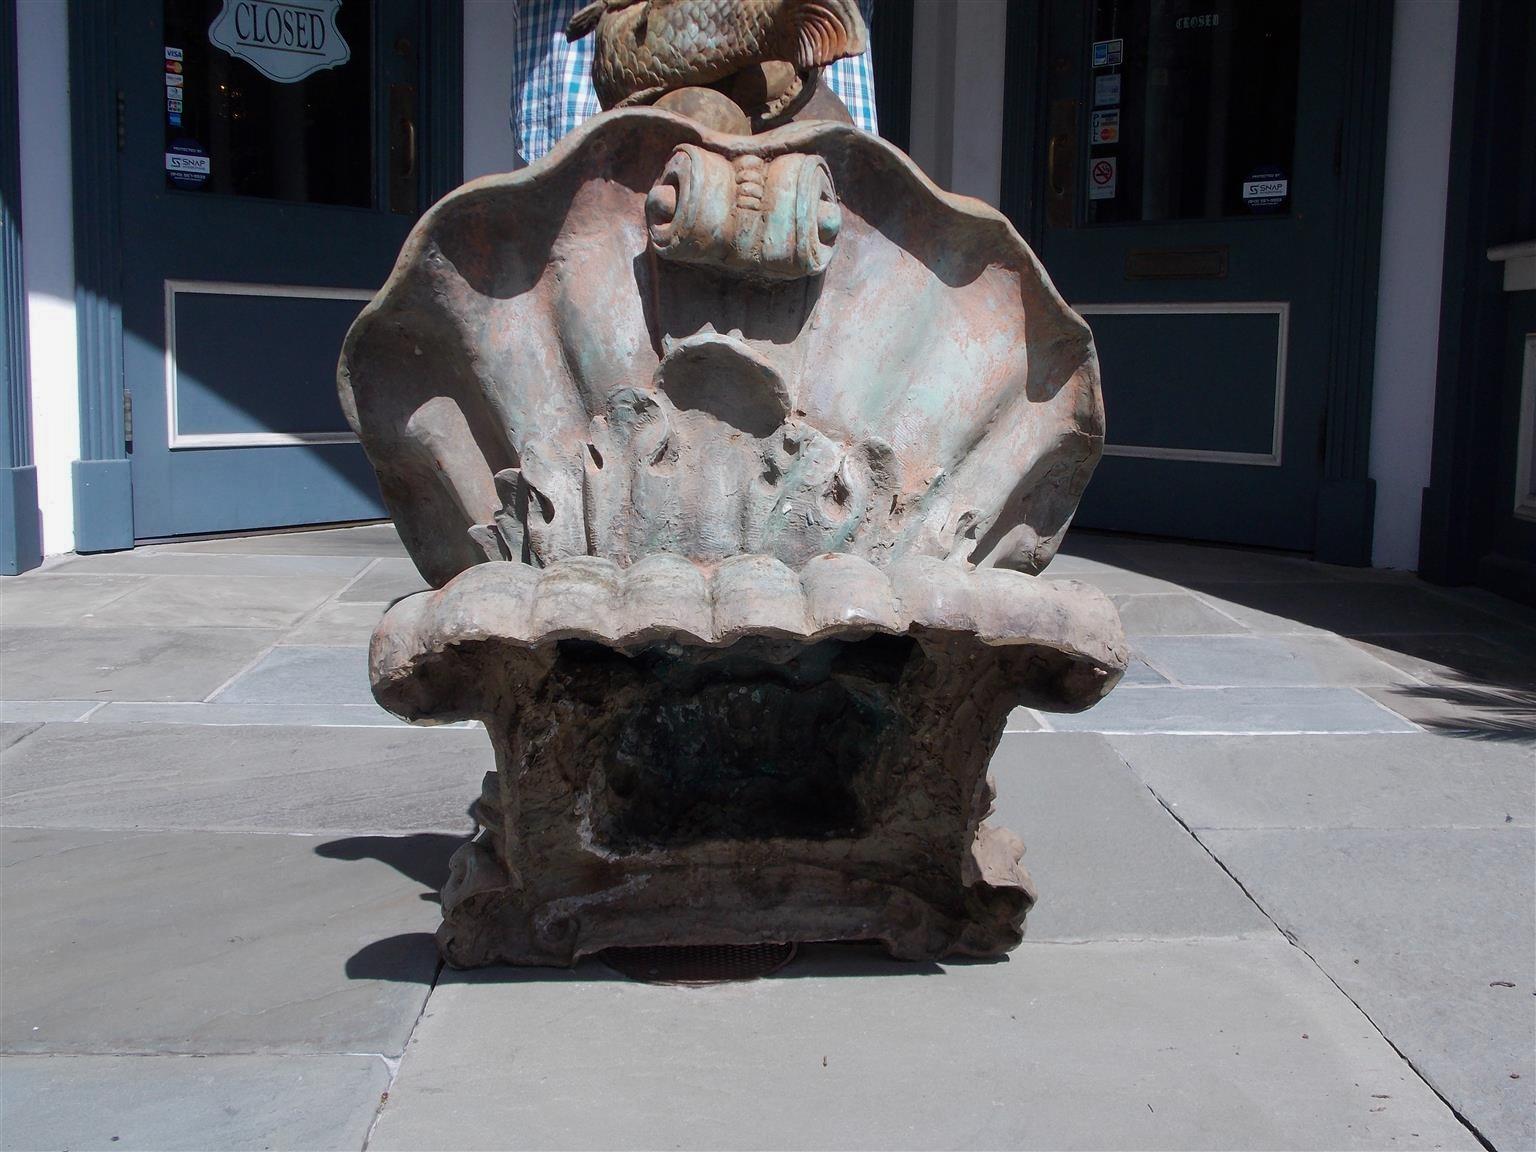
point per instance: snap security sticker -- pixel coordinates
(187, 164)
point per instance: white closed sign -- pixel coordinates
(284, 40)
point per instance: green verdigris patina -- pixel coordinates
(732, 458)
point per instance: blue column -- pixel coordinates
(21, 543)
(103, 478)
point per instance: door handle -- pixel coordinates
(1061, 165)
(1052, 168)
(404, 156)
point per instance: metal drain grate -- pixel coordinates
(698, 963)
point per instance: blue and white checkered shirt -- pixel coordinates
(552, 78)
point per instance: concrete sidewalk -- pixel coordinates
(1286, 876)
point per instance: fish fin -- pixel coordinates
(585, 20)
(825, 31)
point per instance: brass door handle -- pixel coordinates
(1061, 164)
(1057, 143)
(404, 156)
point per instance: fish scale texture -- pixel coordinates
(649, 48)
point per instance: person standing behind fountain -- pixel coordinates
(552, 78)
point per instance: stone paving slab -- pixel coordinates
(1473, 711)
(12, 732)
(1454, 658)
(45, 711)
(43, 598)
(1266, 661)
(369, 540)
(1109, 580)
(1218, 1044)
(223, 602)
(303, 675)
(1419, 927)
(1178, 614)
(169, 663)
(1197, 564)
(214, 942)
(1391, 781)
(1229, 710)
(1352, 607)
(1022, 720)
(166, 562)
(1280, 623)
(387, 581)
(339, 623)
(132, 776)
(1107, 859)
(171, 1103)
(225, 715)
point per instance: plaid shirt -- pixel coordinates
(552, 78)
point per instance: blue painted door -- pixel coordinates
(271, 169)
(1189, 212)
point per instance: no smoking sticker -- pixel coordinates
(1103, 173)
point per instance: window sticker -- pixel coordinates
(284, 41)
(187, 164)
(175, 82)
(1266, 190)
(1106, 126)
(1108, 53)
(1106, 90)
(1103, 174)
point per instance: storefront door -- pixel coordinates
(1187, 205)
(271, 165)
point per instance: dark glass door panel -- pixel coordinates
(274, 100)
(1193, 108)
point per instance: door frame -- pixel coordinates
(1346, 496)
(103, 480)
(1468, 531)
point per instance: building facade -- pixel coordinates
(1304, 233)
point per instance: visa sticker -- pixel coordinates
(174, 53)
(1108, 53)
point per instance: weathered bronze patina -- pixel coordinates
(733, 459)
